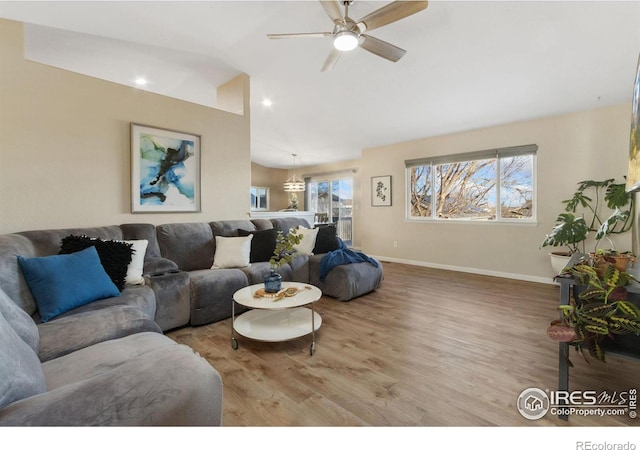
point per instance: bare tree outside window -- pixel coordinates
(472, 190)
(516, 190)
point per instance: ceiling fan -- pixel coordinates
(348, 34)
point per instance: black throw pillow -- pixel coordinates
(115, 256)
(263, 244)
(326, 240)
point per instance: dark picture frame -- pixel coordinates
(165, 170)
(381, 190)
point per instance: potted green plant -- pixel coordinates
(600, 311)
(283, 253)
(600, 207)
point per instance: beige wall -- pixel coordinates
(273, 179)
(65, 149)
(587, 145)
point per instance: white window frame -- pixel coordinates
(522, 150)
(254, 207)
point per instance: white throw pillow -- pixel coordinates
(308, 242)
(232, 252)
(136, 266)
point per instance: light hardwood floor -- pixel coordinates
(429, 348)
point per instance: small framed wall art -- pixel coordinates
(165, 170)
(381, 190)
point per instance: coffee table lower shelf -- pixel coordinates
(276, 325)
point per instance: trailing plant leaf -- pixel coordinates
(626, 324)
(592, 292)
(601, 324)
(561, 333)
(596, 329)
(595, 350)
(611, 276)
(629, 309)
(619, 293)
(598, 310)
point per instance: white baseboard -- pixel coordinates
(492, 273)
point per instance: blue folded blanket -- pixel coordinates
(342, 256)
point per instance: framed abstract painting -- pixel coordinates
(381, 191)
(633, 173)
(165, 170)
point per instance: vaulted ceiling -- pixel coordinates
(469, 64)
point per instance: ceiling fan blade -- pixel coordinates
(298, 35)
(382, 48)
(331, 60)
(332, 9)
(390, 13)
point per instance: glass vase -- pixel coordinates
(272, 282)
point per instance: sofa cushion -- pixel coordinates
(71, 333)
(230, 228)
(308, 242)
(21, 373)
(142, 231)
(115, 256)
(60, 283)
(284, 224)
(212, 294)
(326, 240)
(190, 245)
(20, 321)
(232, 252)
(263, 244)
(135, 268)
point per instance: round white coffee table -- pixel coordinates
(276, 319)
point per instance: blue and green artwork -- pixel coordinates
(168, 171)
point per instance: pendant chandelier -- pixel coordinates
(294, 184)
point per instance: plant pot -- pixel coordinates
(620, 262)
(559, 260)
(272, 282)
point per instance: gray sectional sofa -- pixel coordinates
(107, 362)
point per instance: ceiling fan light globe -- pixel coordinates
(345, 41)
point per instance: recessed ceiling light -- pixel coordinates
(141, 81)
(267, 102)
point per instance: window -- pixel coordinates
(332, 199)
(471, 186)
(259, 198)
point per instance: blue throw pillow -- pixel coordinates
(60, 283)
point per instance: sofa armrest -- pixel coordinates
(158, 265)
(166, 386)
(173, 298)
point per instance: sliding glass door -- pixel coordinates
(332, 201)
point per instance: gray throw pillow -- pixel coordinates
(20, 321)
(21, 373)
